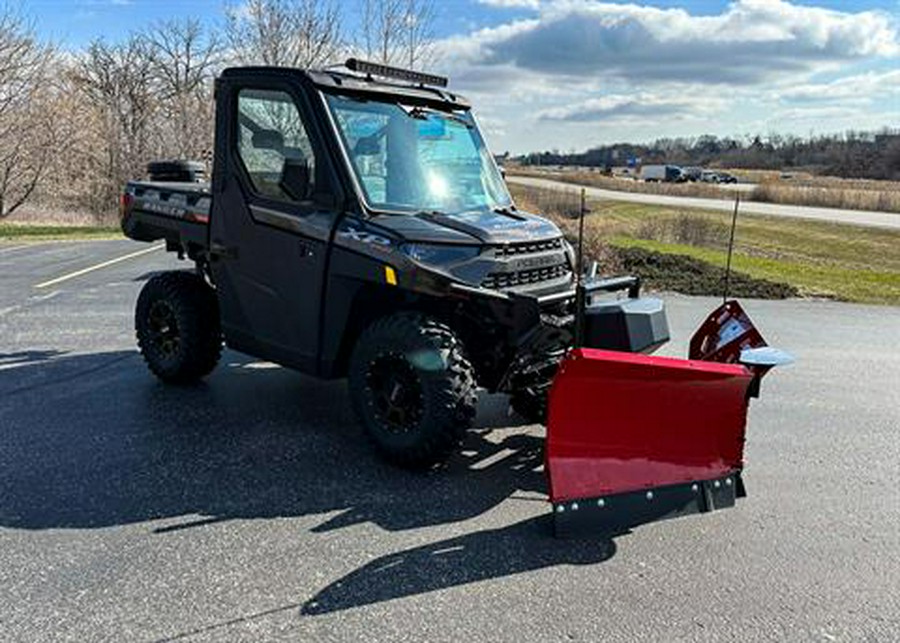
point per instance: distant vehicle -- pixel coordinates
(662, 174)
(716, 176)
(692, 173)
(725, 177)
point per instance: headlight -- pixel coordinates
(439, 254)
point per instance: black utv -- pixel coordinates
(357, 226)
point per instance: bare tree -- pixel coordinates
(184, 58)
(398, 32)
(418, 33)
(25, 139)
(381, 22)
(119, 83)
(285, 33)
(75, 180)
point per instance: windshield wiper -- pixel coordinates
(510, 211)
(422, 113)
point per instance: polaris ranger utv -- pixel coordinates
(357, 226)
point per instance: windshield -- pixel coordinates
(413, 159)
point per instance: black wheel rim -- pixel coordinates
(163, 330)
(395, 393)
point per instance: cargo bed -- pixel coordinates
(175, 212)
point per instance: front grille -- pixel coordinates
(528, 263)
(513, 249)
(500, 280)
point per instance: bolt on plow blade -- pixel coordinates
(633, 438)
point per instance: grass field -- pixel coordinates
(22, 232)
(847, 263)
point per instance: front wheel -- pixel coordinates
(177, 326)
(412, 388)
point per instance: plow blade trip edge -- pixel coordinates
(623, 424)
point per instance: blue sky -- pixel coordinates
(76, 22)
(566, 74)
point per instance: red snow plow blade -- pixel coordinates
(633, 438)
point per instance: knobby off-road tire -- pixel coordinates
(412, 389)
(177, 326)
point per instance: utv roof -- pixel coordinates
(376, 81)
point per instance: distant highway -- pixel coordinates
(887, 220)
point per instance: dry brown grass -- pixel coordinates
(800, 188)
(563, 208)
(659, 271)
(598, 180)
(684, 228)
(845, 198)
(54, 216)
(808, 179)
(803, 188)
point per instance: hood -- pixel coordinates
(490, 228)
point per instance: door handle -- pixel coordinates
(221, 251)
(307, 249)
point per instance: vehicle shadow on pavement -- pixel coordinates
(92, 440)
(472, 557)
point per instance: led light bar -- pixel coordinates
(386, 71)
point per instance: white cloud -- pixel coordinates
(633, 108)
(577, 71)
(751, 41)
(857, 88)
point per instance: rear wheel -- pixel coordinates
(412, 388)
(177, 327)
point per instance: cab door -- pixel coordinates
(273, 213)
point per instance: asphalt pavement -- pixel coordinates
(248, 508)
(887, 220)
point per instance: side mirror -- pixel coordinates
(268, 139)
(367, 146)
(295, 179)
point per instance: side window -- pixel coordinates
(274, 146)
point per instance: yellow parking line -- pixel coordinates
(98, 266)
